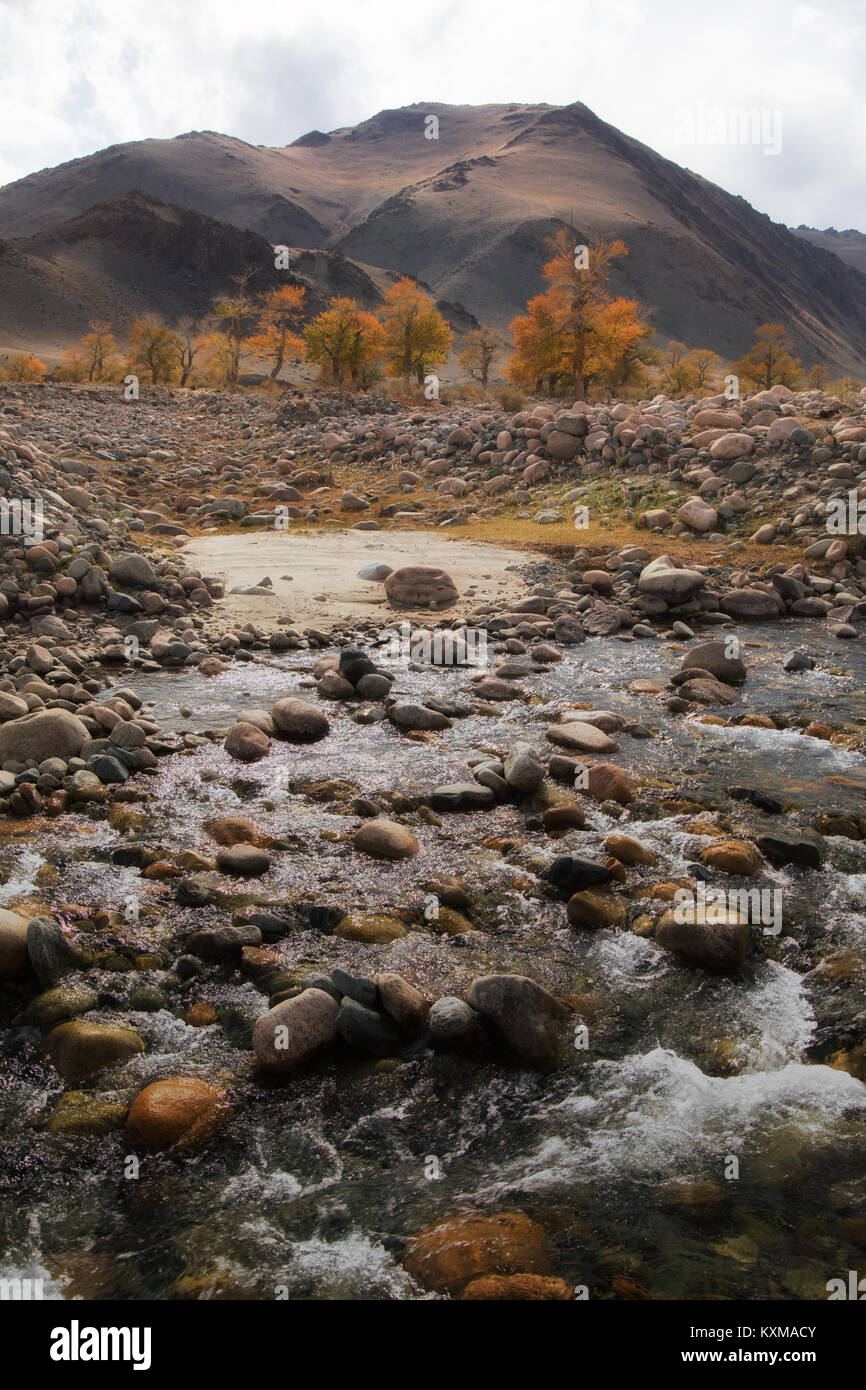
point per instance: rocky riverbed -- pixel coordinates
(329, 971)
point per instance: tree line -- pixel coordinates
(575, 338)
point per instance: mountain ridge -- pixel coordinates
(469, 214)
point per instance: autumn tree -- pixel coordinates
(575, 332)
(95, 358)
(677, 377)
(276, 336)
(224, 345)
(23, 366)
(702, 364)
(480, 346)
(154, 350)
(625, 350)
(818, 377)
(344, 342)
(188, 341)
(770, 362)
(847, 389)
(578, 277)
(416, 336)
(537, 358)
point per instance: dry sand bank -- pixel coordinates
(324, 584)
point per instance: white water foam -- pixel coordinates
(656, 1111)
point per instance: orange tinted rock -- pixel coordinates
(181, 1112)
(733, 857)
(447, 1256)
(608, 783)
(231, 830)
(200, 1015)
(14, 956)
(532, 1287)
(628, 851)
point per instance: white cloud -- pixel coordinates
(88, 73)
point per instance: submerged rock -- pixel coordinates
(385, 839)
(449, 1254)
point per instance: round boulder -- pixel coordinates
(179, 1113)
(421, 586)
(299, 721)
(385, 839)
(49, 733)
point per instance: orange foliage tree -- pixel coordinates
(770, 361)
(23, 366)
(276, 336)
(416, 336)
(96, 357)
(573, 332)
(154, 350)
(344, 341)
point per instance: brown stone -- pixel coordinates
(447, 1256)
(179, 1113)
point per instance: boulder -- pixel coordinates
(299, 721)
(522, 1015)
(179, 1113)
(385, 839)
(698, 514)
(721, 946)
(581, 738)
(605, 782)
(231, 830)
(50, 733)
(461, 1248)
(732, 446)
(751, 605)
(52, 954)
(667, 579)
(243, 861)
(14, 956)
(594, 910)
(133, 572)
(454, 1026)
(524, 770)
(715, 657)
(403, 1003)
(733, 857)
(295, 1028)
(421, 586)
(81, 1049)
(247, 743)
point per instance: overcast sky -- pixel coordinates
(78, 75)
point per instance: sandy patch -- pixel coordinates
(315, 577)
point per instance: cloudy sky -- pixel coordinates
(82, 74)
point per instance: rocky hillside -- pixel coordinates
(849, 245)
(469, 213)
(135, 254)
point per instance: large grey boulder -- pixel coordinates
(50, 733)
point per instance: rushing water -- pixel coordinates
(319, 1178)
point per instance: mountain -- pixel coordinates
(135, 254)
(469, 214)
(849, 245)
